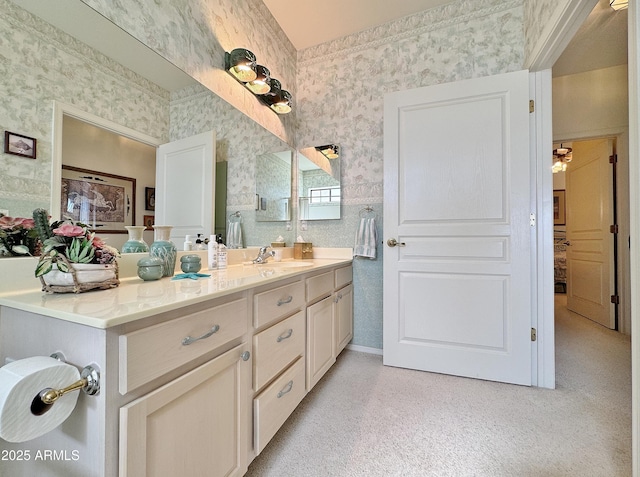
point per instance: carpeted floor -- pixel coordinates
(365, 419)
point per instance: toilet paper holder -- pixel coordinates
(89, 383)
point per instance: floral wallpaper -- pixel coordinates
(195, 34)
(538, 14)
(39, 64)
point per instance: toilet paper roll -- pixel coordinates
(20, 382)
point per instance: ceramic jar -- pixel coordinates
(163, 248)
(150, 268)
(190, 263)
(136, 243)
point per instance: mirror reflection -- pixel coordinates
(273, 187)
(164, 111)
(319, 182)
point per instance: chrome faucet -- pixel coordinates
(263, 255)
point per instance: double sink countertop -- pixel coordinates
(135, 299)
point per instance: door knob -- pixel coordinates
(393, 242)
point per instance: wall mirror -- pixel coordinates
(239, 139)
(273, 187)
(319, 188)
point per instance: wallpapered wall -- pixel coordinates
(194, 35)
(40, 64)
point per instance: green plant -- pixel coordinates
(18, 236)
(67, 242)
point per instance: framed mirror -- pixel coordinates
(319, 187)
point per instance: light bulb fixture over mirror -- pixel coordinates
(619, 4)
(242, 65)
(330, 151)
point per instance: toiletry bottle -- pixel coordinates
(200, 243)
(222, 255)
(212, 253)
(188, 244)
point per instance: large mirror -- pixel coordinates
(319, 189)
(170, 112)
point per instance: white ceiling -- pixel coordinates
(601, 41)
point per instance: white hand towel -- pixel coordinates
(234, 235)
(366, 239)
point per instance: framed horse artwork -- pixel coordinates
(105, 202)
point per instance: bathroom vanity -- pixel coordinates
(196, 376)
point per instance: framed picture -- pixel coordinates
(105, 202)
(19, 145)
(559, 217)
(149, 220)
(150, 198)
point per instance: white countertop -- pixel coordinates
(135, 299)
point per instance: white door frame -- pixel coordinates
(554, 40)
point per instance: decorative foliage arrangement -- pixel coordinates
(65, 242)
(18, 237)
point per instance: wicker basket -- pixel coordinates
(81, 277)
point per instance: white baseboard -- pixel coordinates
(365, 349)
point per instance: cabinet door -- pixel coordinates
(195, 425)
(320, 340)
(343, 300)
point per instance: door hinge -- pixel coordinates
(613, 228)
(532, 106)
(615, 299)
(534, 334)
(613, 159)
(532, 220)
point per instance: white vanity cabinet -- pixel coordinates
(200, 419)
(343, 307)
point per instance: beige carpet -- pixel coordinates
(365, 419)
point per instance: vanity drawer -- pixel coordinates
(343, 276)
(277, 303)
(274, 405)
(319, 286)
(149, 353)
(276, 347)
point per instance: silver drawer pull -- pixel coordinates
(289, 299)
(286, 389)
(189, 340)
(245, 356)
(287, 334)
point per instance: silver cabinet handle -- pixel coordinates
(245, 356)
(289, 299)
(189, 340)
(393, 242)
(286, 389)
(286, 335)
(337, 298)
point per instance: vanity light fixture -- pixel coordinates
(330, 151)
(619, 4)
(242, 65)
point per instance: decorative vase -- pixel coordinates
(164, 249)
(136, 243)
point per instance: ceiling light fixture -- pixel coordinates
(619, 4)
(242, 65)
(561, 157)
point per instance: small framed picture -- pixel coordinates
(150, 198)
(148, 221)
(19, 145)
(559, 212)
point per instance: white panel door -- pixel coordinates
(457, 287)
(590, 260)
(185, 186)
